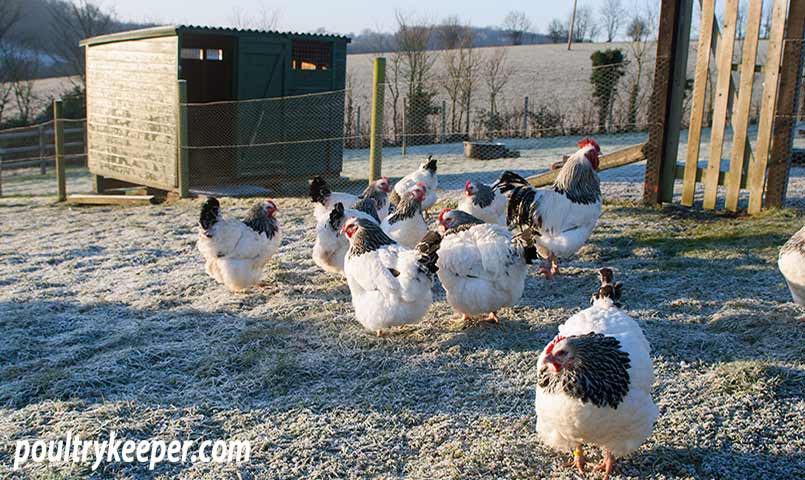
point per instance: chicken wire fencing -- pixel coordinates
(476, 123)
(27, 159)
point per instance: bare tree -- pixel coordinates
(264, 19)
(413, 39)
(557, 31)
(612, 13)
(639, 31)
(10, 13)
(73, 22)
(516, 25)
(19, 67)
(460, 62)
(497, 73)
(584, 26)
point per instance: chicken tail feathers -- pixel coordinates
(210, 211)
(319, 190)
(509, 181)
(428, 248)
(336, 216)
(521, 206)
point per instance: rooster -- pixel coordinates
(236, 251)
(426, 173)
(562, 217)
(481, 201)
(331, 247)
(325, 199)
(480, 266)
(792, 265)
(594, 382)
(390, 285)
(406, 225)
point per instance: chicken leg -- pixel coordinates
(578, 459)
(608, 464)
(493, 318)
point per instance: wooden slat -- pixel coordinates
(111, 199)
(782, 154)
(618, 158)
(698, 101)
(701, 174)
(740, 121)
(722, 93)
(757, 171)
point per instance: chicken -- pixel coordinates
(594, 382)
(481, 201)
(236, 251)
(562, 217)
(426, 173)
(331, 247)
(390, 285)
(481, 267)
(406, 225)
(792, 265)
(325, 199)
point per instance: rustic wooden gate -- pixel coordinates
(762, 171)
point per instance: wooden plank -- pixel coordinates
(58, 142)
(129, 200)
(757, 171)
(698, 101)
(782, 154)
(618, 158)
(701, 174)
(660, 98)
(722, 94)
(183, 154)
(740, 120)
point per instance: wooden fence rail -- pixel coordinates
(35, 147)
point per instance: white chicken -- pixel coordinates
(426, 174)
(594, 382)
(331, 247)
(325, 199)
(562, 217)
(481, 201)
(481, 267)
(406, 225)
(792, 265)
(390, 285)
(236, 251)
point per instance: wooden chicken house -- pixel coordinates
(182, 108)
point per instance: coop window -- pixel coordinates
(310, 55)
(214, 54)
(193, 54)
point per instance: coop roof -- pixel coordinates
(169, 30)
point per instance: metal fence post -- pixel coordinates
(443, 136)
(42, 166)
(182, 154)
(404, 118)
(376, 133)
(525, 116)
(58, 151)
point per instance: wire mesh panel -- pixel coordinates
(265, 146)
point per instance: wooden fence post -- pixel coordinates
(58, 151)
(785, 121)
(443, 135)
(404, 121)
(376, 131)
(358, 127)
(42, 165)
(525, 116)
(183, 155)
(667, 97)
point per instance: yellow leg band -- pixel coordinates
(577, 452)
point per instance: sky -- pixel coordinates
(341, 16)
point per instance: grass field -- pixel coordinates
(109, 322)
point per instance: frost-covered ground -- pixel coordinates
(108, 322)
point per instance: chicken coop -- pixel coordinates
(183, 108)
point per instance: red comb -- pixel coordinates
(466, 185)
(587, 141)
(441, 215)
(549, 348)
